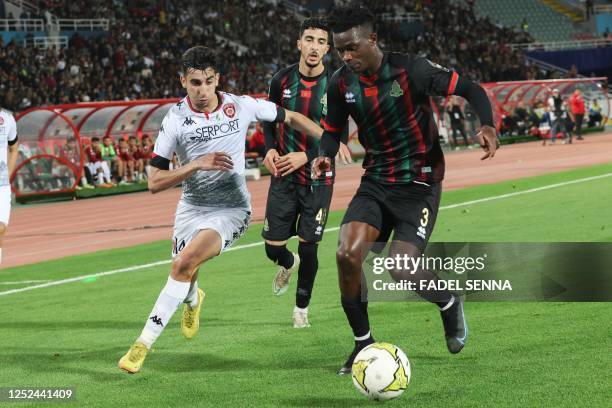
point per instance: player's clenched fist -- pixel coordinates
(215, 161)
(320, 165)
(270, 161)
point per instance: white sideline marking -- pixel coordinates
(165, 262)
(25, 281)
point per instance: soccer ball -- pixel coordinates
(381, 371)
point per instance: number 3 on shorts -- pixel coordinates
(425, 218)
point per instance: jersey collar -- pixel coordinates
(207, 114)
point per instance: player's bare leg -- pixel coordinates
(205, 245)
(356, 240)
(451, 306)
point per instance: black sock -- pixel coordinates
(280, 255)
(309, 263)
(356, 315)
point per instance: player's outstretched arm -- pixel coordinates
(162, 179)
(302, 124)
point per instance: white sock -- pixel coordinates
(192, 296)
(171, 296)
(362, 338)
(0, 255)
(100, 178)
(299, 309)
(449, 304)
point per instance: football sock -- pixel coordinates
(280, 255)
(357, 317)
(309, 263)
(171, 296)
(192, 296)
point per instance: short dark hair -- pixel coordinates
(199, 58)
(95, 139)
(344, 18)
(315, 22)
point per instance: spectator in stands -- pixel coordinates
(589, 8)
(145, 38)
(97, 166)
(577, 111)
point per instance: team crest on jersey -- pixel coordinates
(1, 120)
(350, 97)
(396, 90)
(287, 93)
(229, 110)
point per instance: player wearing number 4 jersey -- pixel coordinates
(387, 94)
(297, 204)
(207, 131)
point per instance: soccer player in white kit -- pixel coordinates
(207, 131)
(9, 151)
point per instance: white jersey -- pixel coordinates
(191, 134)
(8, 133)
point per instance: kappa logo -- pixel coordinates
(156, 320)
(179, 103)
(287, 93)
(161, 129)
(350, 97)
(188, 121)
(229, 110)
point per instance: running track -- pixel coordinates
(50, 231)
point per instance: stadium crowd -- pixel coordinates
(138, 59)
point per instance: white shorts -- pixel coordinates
(93, 167)
(229, 223)
(5, 204)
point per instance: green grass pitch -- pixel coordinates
(247, 353)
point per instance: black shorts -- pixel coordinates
(296, 209)
(409, 210)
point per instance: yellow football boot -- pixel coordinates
(133, 359)
(190, 322)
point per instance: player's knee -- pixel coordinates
(274, 252)
(183, 266)
(2, 229)
(308, 250)
(348, 258)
